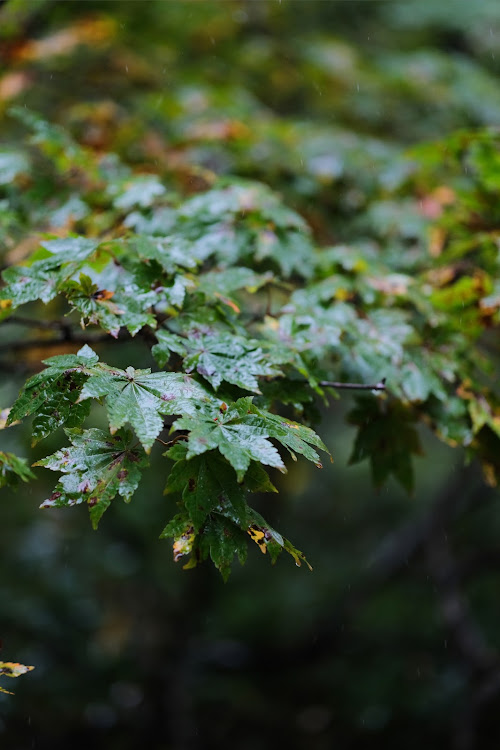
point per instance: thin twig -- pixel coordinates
(173, 441)
(52, 325)
(69, 337)
(354, 386)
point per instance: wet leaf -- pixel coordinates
(95, 468)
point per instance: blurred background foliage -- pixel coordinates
(379, 645)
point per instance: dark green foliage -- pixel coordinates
(53, 395)
(216, 514)
(370, 264)
(13, 470)
(240, 300)
(217, 357)
(141, 398)
(387, 437)
(179, 143)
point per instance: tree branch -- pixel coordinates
(49, 325)
(68, 337)
(353, 386)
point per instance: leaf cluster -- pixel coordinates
(251, 320)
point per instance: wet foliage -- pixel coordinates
(226, 230)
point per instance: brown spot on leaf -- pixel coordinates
(102, 295)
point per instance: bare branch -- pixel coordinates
(69, 337)
(50, 325)
(353, 386)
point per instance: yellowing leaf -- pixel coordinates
(12, 669)
(258, 536)
(183, 544)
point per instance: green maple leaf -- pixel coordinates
(94, 304)
(205, 484)
(13, 470)
(136, 305)
(168, 254)
(291, 250)
(241, 433)
(96, 468)
(139, 191)
(246, 221)
(221, 540)
(218, 357)
(223, 283)
(238, 443)
(52, 395)
(128, 308)
(297, 438)
(388, 438)
(141, 397)
(42, 278)
(25, 284)
(69, 250)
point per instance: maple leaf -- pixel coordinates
(96, 468)
(25, 284)
(13, 470)
(221, 284)
(41, 279)
(241, 433)
(94, 304)
(141, 397)
(204, 485)
(376, 426)
(218, 357)
(128, 307)
(52, 395)
(167, 253)
(12, 669)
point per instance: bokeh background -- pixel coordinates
(372, 649)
